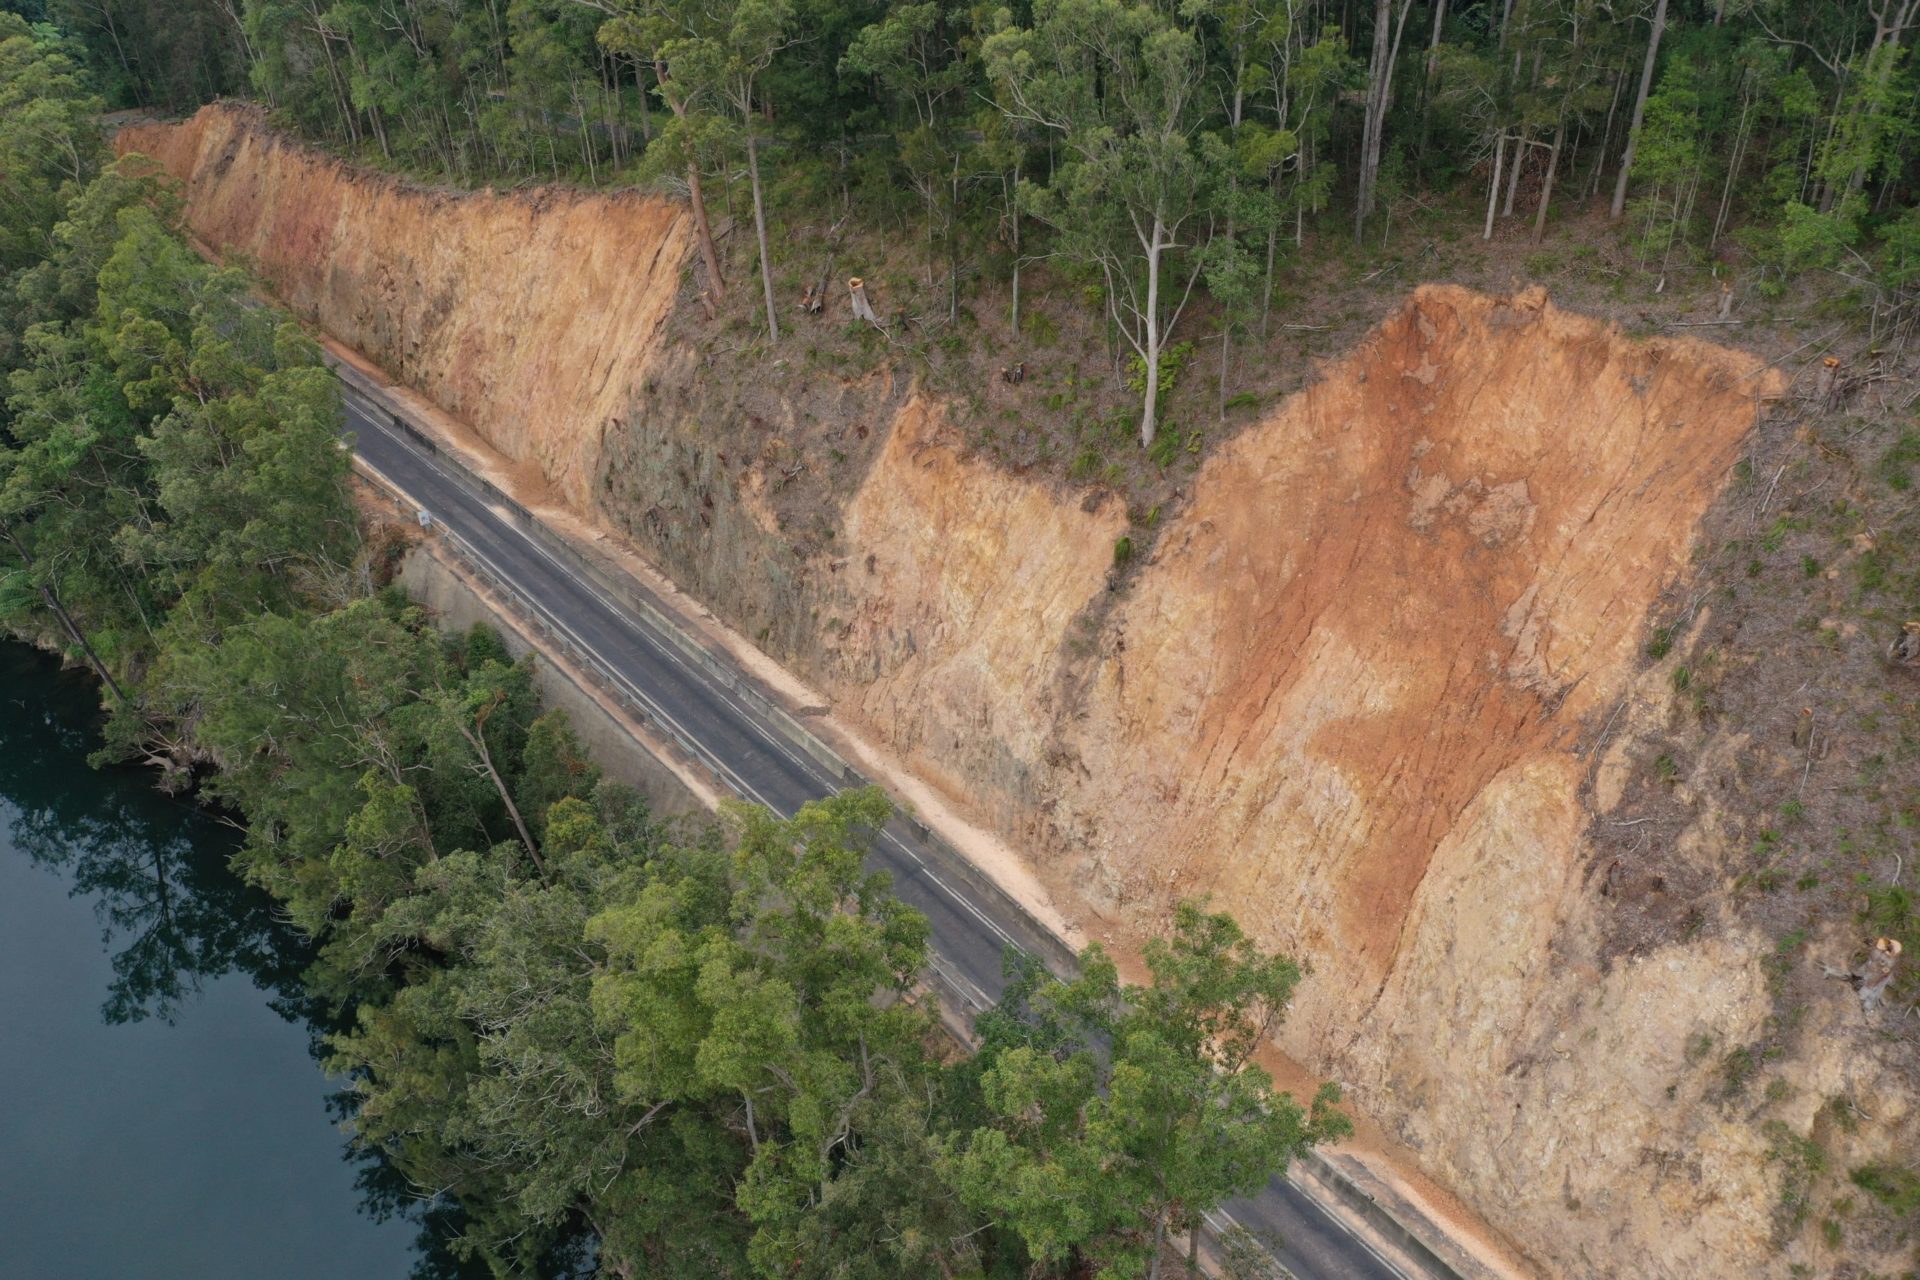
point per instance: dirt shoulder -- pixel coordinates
(1428, 1209)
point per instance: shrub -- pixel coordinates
(1173, 360)
(1896, 1188)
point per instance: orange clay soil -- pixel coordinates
(457, 295)
(1344, 689)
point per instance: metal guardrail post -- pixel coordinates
(778, 720)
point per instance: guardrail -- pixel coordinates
(1052, 950)
(1350, 1193)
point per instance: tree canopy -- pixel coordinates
(1162, 151)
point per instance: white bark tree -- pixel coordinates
(1389, 25)
(1639, 111)
(1123, 87)
(724, 50)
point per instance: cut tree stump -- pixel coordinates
(857, 289)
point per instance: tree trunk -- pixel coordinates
(646, 112)
(52, 600)
(1226, 346)
(1493, 188)
(1520, 145)
(1159, 1244)
(1426, 83)
(1734, 163)
(1546, 187)
(753, 1130)
(953, 247)
(1386, 51)
(1639, 111)
(1606, 139)
(477, 739)
(1152, 333)
(1266, 291)
(702, 229)
(760, 227)
(380, 133)
(862, 308)
(333, 75)
(1015, 206)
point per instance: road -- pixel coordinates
(970, 931)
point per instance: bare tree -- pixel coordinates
(1387, 31)
(1639, 111)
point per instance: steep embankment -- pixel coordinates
(457, 295)
(1365, 689)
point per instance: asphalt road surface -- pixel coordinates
(970, 931)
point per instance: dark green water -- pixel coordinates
(162, 1116)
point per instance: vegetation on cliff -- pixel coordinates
(1743, 170)
(615, 1046)
(1155, 154)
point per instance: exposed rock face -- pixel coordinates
(1357, 662)
(461, 296)
(1352, 692)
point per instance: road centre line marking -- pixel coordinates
(680, 732)
(708, 756)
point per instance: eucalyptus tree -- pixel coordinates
(1659, 27)
(913, 54)
(1122, 86)
(1118, 1115)
(1293, 84)
(694, 133)
(1389, 28)
(711, 57)
(49, 140)
(771, 999)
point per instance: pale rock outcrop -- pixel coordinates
(1351, 692)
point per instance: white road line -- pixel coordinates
(713, 761)
(686, 738)
(1220, 1220)
(664, 649)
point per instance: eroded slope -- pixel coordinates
(1353, 690)
(1418, 579)
(530, 316)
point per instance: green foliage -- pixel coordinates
(49, 147)
(1151, 153)
(1118, 1114)
(1811, 238)
(1895, 467)
(1120, 86)
(1737, 1070)
(1173, 362)
(1893, 1186)
(701, 1047)
(1801, 1161)
(170, 466)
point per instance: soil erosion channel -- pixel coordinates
(1355, 691)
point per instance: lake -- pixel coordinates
(164, 1114)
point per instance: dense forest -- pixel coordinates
(655, 1051)
(1163, 152)
(613, 1045)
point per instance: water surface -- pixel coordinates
(161, 1113)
